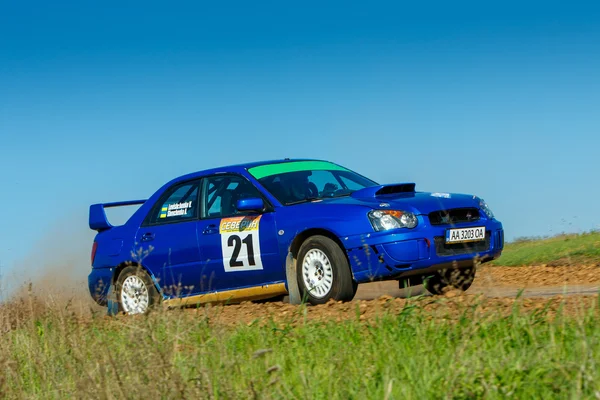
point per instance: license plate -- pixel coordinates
(463, 235)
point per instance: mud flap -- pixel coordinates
(112, 304)
(292, 281)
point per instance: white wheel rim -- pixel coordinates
(317, 273)
(134, 295)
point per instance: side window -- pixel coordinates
(181, 204)
(222, 192)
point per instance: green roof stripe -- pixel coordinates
(293, 166)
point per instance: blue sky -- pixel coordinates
(101, 101)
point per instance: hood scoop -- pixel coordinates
(383, 190)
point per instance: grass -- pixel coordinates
(409, 355)
(558, 250)
(464, 352)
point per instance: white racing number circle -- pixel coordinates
(317, 273)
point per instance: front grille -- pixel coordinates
(454, 216)
(442, 249)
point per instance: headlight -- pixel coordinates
(486, 209)
(384, 220)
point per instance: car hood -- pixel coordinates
(416, 202)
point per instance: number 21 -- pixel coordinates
(236, 242)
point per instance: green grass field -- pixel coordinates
(410, 355)
(558, 250)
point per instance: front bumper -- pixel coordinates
(402, 253)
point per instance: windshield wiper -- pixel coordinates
(306, 200)
(341, 195)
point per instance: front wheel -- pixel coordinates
(135, 290)
(450, 278)
(323, 271)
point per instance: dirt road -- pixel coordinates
(533, 281)
(371, 291)
(495, 290)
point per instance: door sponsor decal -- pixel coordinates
(175, 210)
(240, 243)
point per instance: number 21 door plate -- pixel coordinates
(240, 243)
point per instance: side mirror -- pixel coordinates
(251, 204)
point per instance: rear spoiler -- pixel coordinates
(98, 220)
(381, 190)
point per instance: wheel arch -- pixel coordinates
(302, 236)
(119, 268)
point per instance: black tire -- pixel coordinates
(450, 278)
(342, 286)
(135, 271)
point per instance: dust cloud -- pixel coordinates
(57, 266)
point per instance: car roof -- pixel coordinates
(236, 168)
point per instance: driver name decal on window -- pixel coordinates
(240, 243)
(175, 210)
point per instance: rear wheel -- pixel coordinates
(323, 271)
(136, 292)
(450, 278)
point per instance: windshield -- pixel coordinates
(301, 181)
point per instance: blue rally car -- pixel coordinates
(309, 229)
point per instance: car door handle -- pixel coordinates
(211, 230)
(148, 236)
